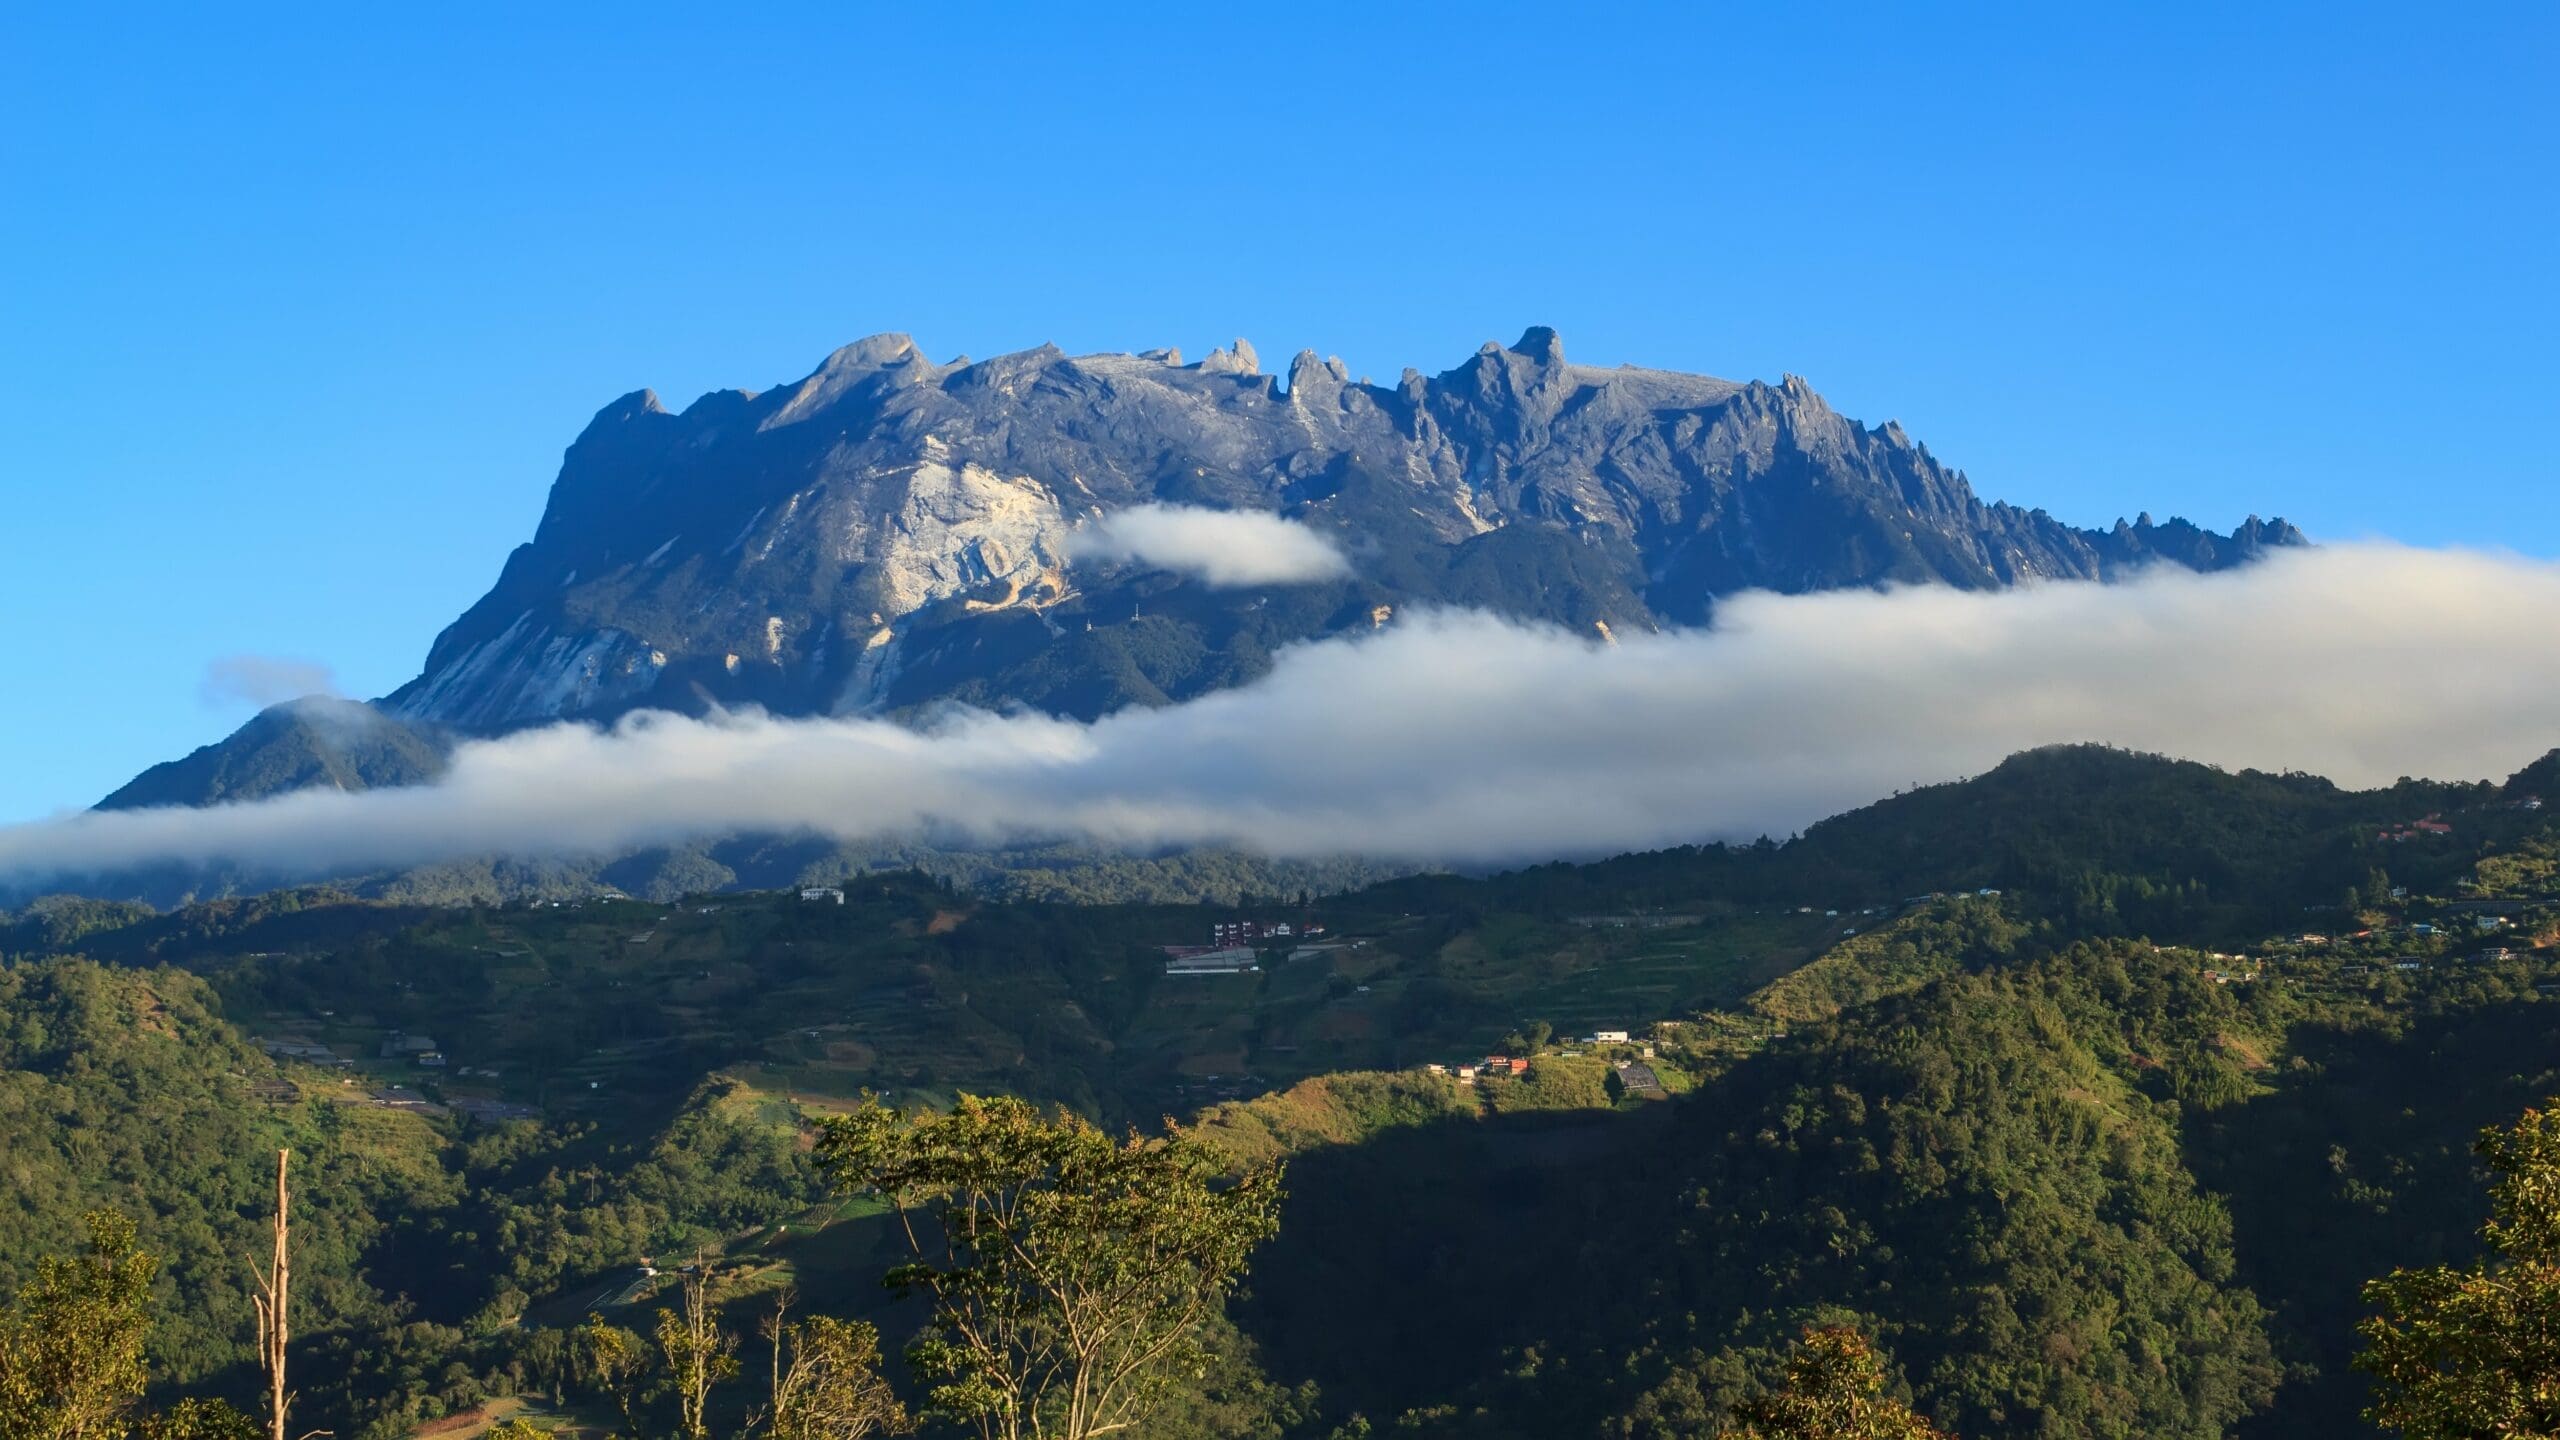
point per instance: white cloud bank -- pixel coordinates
(1459, 737)
(1226, 548)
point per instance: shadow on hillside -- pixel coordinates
(2358, 1163)
(1409, 1268)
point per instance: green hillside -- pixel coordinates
(2105, 1153)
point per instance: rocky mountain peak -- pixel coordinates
(624, 409)
(887, 532)
(1238, 359)
(872, 352)
(1541, 344)
(1312, 379)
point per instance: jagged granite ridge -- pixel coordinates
(889, 532)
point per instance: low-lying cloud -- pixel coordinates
(1458, 737)
(1225, 548)
(263, 680)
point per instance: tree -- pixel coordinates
(608, 1360)
(826, 1372)
(2475, 1352)
(1834, 1390)
(826, 1380)
(71, 1364)
(275, 1294)
(1067, 1270)
(200, 1420)
(71, 1361)
(698, 1354)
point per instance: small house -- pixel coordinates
(1639, 1080)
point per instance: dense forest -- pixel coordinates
(2091, 1090)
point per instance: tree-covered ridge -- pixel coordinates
(2126, 841)
(1985, 1171)
(317, 741)
(127, 1090)
(2074, 1177)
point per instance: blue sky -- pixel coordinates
(297, 312)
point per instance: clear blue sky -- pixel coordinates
(298, 311)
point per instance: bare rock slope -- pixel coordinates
(890, 531)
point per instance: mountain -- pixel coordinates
(293, 746)
(890, 533)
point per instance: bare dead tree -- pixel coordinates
(275, 1285)
(699, 1354)
(826, 1381)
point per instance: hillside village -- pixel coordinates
(1281, 995)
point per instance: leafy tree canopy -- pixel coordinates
(1834, 1390)
(1069, 1272)
(2474, 1352)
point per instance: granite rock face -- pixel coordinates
(890, 532)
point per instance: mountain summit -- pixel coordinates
(890, 531)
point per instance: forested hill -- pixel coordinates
(1975, 1171)
(413, 1243)
(2106, 1153)
(2083, 825)
(307, 743)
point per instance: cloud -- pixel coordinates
(263, 680)
(1226, 548)
(1459, 737)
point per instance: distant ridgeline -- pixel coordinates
(2091, 1088)
(890, 533)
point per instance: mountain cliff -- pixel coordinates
(891, 532)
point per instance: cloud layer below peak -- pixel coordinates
(1460, 737)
